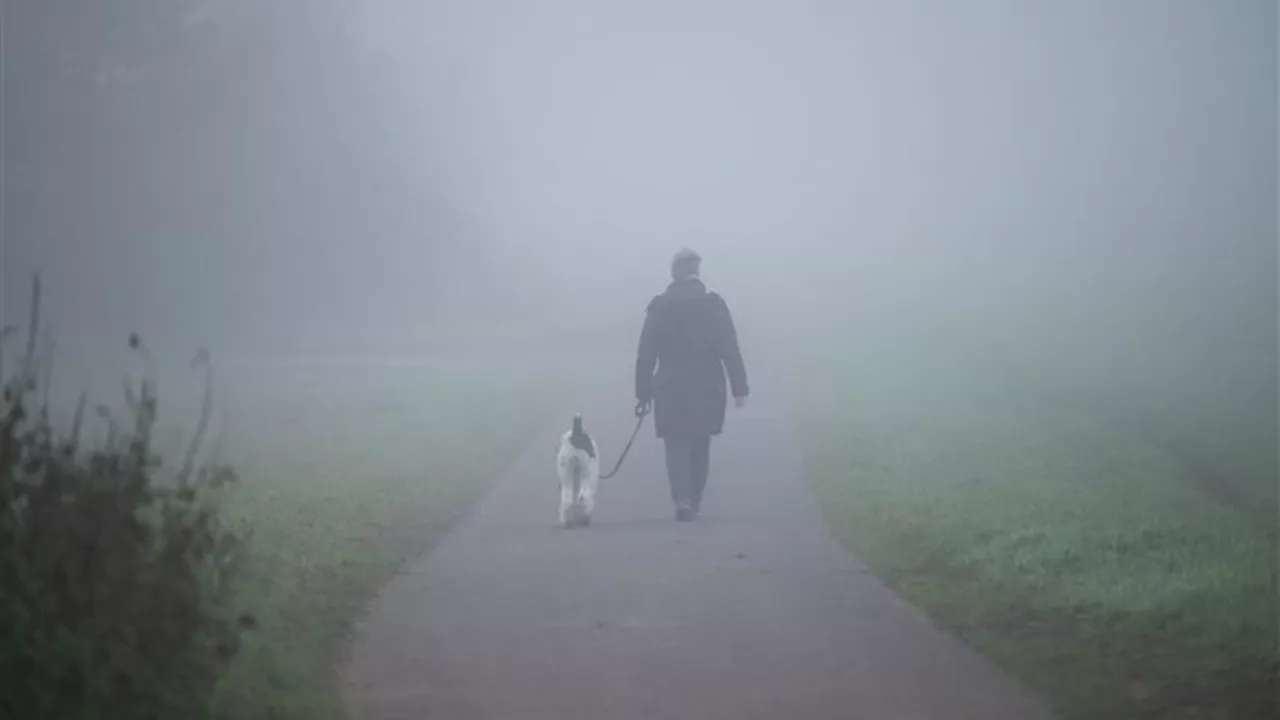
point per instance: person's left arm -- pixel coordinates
(647, 356)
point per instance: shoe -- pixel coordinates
(685, 512)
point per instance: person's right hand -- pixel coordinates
(738, 402)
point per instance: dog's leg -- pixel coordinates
(588, 499)
(566, 503)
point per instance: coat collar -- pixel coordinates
(690, 289)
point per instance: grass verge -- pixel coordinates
(1080, 553)
(347, 475)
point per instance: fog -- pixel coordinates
(1003, 272)
(335, 177)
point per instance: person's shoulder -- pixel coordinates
(716, 298)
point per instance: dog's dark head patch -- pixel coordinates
(579, 438)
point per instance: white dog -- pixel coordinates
(578, 465)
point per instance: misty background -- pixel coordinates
(1008, 267)
(1084, 180)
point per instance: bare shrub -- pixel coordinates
(115, 582)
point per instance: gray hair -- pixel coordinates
(685, 264)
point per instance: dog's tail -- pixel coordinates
(579, 438)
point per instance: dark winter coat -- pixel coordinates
(690, 337)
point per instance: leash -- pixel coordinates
(642, 410)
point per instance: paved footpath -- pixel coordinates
(755, 611)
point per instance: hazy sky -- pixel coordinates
(283, 174)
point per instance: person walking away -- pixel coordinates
(687, 347)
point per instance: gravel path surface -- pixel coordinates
(754, 611)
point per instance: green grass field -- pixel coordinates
(1112, 543)
(348, 473)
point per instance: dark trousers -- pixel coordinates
(688, 462)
